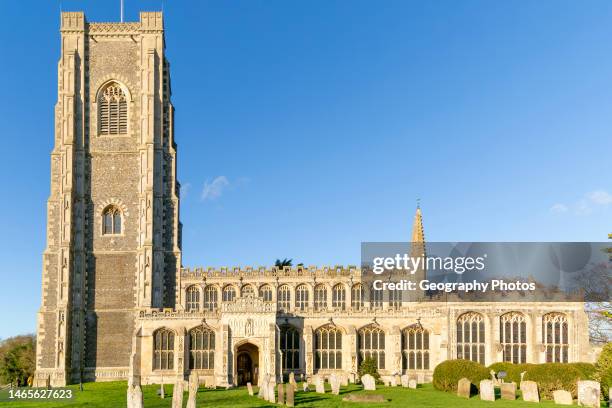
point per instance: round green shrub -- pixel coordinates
(554, 376)
(448, 373)
(369, 366)
(603, 370)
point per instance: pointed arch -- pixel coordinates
(513, 337)
(163, 349)
(328, 348)
(415, 348)
(471, 337)
(112, 103)
(201, 348)
(371, 344)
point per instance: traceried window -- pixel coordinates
(201, 349)
(371, 344)
(328, 348)
(395, 299)
(229, 293)
(339, 297)
(163, 349)
(112, 111)
(210, 298)
(555, 337)
(415, 348)
(284, 298)
(247, 290)
(301, 297)
(290, 347)
(513, 337)
(320, 297)
(471, 337)
(111, 221)
(357, 296)
(266, 293)
(376, 298)
(193, 298)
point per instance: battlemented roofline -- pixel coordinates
(293, 271)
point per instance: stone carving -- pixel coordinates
(563, 397)
(464, 388)
(177, 394)
(588, 393)
(248, 305)
(508, 391)
(290, 402)
(369, 384)
(487, 390)
(529, 389)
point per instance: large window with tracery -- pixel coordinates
(395, 299)
(111, 221)
(283, 298)
(339, 297)
(163, 349)
(193, 298)
(471, 337)
(555, 337)
(376, 298)
(328, 348)
(320, 297)
(112, 110)
(210, 298)
(415, 348)
(513, 337)
(301, 297)
(201, 348)
(247, 291)
(265, 291)
(357, 296)
(371, 344)
(290, 347)
(229, 293)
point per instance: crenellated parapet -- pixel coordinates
(273, 272)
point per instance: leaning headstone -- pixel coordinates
(194, 384)
(563, 397)
(334, 381)
(319, 385)
(281, 392)
(177, 394)
(588, 393)
(290, 402)
(464, 388)
(404, 380)
(487, 390)
(508, 391)
(250, 388)
(529, 389)
(305, 387)
(292, 380)
(369, 384)
(412, 383)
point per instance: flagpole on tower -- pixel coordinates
(122, 11)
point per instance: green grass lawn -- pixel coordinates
(113, 394)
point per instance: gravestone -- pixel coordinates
(421, 378)
(508, 391)
(290, 396)
(529, 389)
(487, 390)
(250, 388)
(271, 393)
(48, 382)
(397, 380)
(344, 380)
(319, 384)
(194, 384)
(134, 397)
(305, 387)
(522, 375)
(162, 391)
(563, 397)
(177, 394)
(404, 380)
(369, 384)
(292, 380)
(334, 381)
(412, 383)
(367, 398)
(263, 388)
(281, 392)
(588, 393)
(464, 388)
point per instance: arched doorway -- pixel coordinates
(247, 364)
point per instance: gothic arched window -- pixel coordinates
(112, 111)
(301, 297)
(376, 298)
(371, 344)
(163, 349)
(210, 298)
(201, 349)
(247, 290)
(266, 293)
(290, 347)
(513, 337)
(111, 221)
(395, 299)
(339, 297)
(415, 348)
(320, 297)
(328, 348)
(284, 298)
(471, 337)
(555, 337)
(229, 293)
(357, 296)
(193, 298)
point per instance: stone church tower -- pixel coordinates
(113, 230)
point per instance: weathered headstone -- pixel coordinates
(319, 384)
(367, 398)
(48, 382)
(344, 380)
(412, 383)
(250, 388)
(292, 380)
(487, 390)
(134, 397)
(464, 388)
(588, 393)
(522, 375)
(397, 380)
(290, 396)
(421, 378)
(162, 391)
(271, 394)
(281, 392)
(334, 381)
(368, 382)
(563, 397)
(508, 391)
(529, 389)
(177, 394)
(263, 388)
(194, 384)
(405, 380)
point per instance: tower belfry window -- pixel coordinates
(112, 111)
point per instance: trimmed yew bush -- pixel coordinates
(448, 373)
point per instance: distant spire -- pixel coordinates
(418, 233)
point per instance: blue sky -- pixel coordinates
(305, 128)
